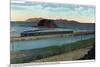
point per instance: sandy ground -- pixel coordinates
(73, 55)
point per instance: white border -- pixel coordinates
(57, 62)
(5, 34)
(49, 63)
(86, 2)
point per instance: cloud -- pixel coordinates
(52, 7)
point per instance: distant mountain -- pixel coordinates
(34, 19)
(48, 23)
(54, 20)
(65, 21)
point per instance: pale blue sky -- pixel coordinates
(23, 10)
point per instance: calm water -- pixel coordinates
(31, 44)
(17, 28)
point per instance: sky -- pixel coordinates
(22, 10)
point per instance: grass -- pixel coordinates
(73, 55)
(26, 56)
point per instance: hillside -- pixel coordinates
(54, 20)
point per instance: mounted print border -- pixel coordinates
(47, 33)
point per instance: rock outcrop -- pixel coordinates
(47, 23)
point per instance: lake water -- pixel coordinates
(31, 44)
(16, 28)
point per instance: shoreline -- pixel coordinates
(13, 39)
(70, 56)
(25, 56)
